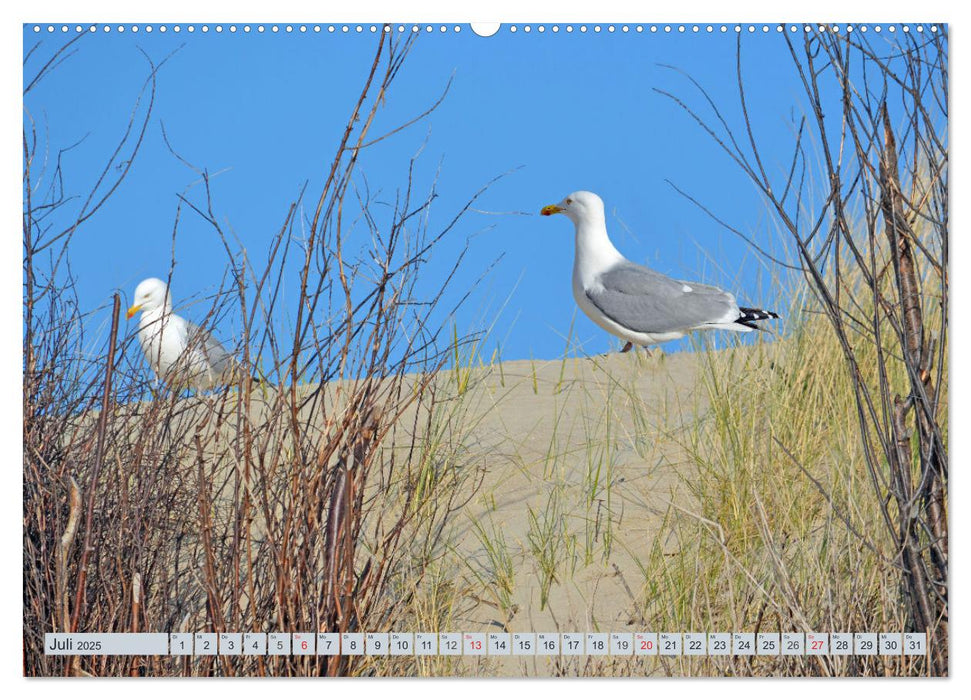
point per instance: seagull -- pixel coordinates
(181, 354)
(638, 305)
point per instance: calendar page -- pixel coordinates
(524, 349)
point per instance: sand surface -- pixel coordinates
(586, 457)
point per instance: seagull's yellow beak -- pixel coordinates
(550, 209)
(132, 311)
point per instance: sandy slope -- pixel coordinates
(594, 447)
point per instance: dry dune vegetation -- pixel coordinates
(382, 473)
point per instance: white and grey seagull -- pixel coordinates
(181, 354)
(635, 303)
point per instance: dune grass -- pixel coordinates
(772, 524)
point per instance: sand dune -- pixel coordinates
(587, 451)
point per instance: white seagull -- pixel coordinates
(637, 304)
(181, 354)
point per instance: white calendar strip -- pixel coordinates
(493, 644)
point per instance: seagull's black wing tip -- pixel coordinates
(749, 317)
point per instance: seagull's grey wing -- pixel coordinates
(646, 301)
(216, 356)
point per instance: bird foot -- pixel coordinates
(629, 346)
(651, 354)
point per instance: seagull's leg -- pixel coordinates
(653, 355)
(628, 346)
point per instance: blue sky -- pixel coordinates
(557, 112)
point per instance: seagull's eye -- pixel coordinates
(569, 201)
